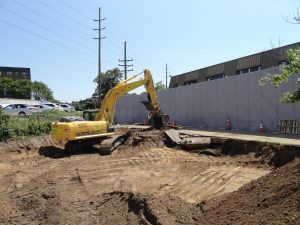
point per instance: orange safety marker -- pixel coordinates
(228, 124)
(174, 123)
(261, 128)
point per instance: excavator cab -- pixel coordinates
(90, 114)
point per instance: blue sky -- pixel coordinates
(55, 38)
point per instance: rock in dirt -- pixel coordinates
(187, 142)
(173, 136)
(195, 142)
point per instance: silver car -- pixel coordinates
(20, 110)
(67, 108)
(43, 107)
(53, 106)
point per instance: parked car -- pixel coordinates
(2, 105)
(67, 108)
(43, 107)
(20, 110)
(54, 106)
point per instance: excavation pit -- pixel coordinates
(146, 180)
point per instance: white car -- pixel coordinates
(20, 110)
(2, 105)
(43, 107)
(54, 106)
(67, 108)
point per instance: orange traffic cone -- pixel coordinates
(174, 123)
(228, 124)
(261, 128)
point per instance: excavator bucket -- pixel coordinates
(159, 119)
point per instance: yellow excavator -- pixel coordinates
(80, 134)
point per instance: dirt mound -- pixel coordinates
(272, 199)
(128, 208)
(144, 139)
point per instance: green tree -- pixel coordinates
(159, 86)
(109, 79)
(41, 91)
(23, 88)
(15, 88)
(5, 86)
(293, 66)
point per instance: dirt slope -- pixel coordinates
(272, 199)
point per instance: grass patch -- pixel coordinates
(34, 125)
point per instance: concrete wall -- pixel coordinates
(208, 104)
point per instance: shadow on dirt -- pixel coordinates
(56, 152)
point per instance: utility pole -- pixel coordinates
(166, 75)
(125, 60)
(99, 38)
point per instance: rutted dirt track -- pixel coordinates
(145, 184)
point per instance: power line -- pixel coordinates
(28, 42)
(44, 38)
(47, 29)
(63, 14)
(56, 76)
(76, 10)
(48, 62)
(65, 27)
(134, 49)
(88, 6)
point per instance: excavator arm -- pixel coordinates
(107, 110)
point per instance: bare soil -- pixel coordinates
(145, 182)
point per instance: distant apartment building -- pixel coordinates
(259, 61)
(16, 73)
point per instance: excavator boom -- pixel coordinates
(107, 110)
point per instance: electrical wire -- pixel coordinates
(44, 38)
(63, 14)
(65, 27)
(74, 9)
(47, 29)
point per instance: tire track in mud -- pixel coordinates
(165, 171)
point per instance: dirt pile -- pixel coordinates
(144, 139)
(128, 208)
(272, 199)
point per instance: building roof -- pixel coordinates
(261, 60)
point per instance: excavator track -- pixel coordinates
(108, 145)
(105, 145)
